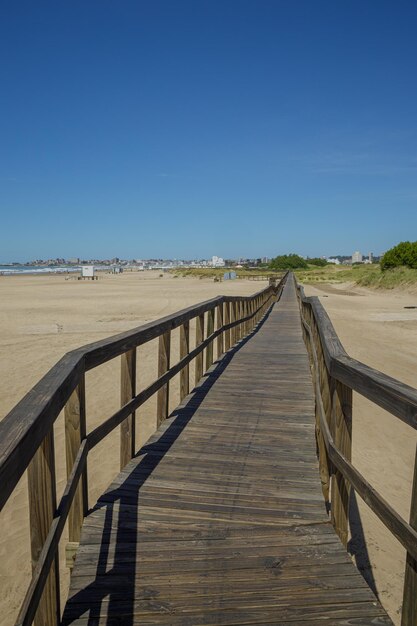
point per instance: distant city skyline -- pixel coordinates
(213, 259)
(182, 128)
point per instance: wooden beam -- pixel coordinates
(227, 338)
(75, 432)
(163, 367)
(184, 350)
(220, 339)
(199, 336)
(409, 610)
(42, 507)
(210, 330)
(341, 421)
(233, 319)
(47, 559)
(127, 392)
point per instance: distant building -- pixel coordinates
(357, 257)
(217, 261)
(74, 260)
(334, 261)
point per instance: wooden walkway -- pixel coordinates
(220, 519)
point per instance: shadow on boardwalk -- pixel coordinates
(117, 533)
(357, 545)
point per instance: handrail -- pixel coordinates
(335, 376)
(26, 433)
(23, 429)
(390, 394)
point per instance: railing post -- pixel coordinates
(341, 419)
(232, 319)
(184, 350)
(163, 366)
(75, 432)
(242, 315)
(409, 611)
(238, 326)
(127, 392)
(210, 330)
(199, 336)
(219, 326)
(226, 322)
(325, 392)
(42, 507)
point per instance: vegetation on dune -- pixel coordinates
(389, 279)
(397, 268)
(217, 272)
(363, 275)
(402, 255)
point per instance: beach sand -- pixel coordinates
(42, 317)
(375, 328)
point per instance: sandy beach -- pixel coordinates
(42, 317)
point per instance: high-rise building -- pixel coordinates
(217, 261)
(357, 257)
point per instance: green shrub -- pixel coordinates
(288, 262)
(402, 255)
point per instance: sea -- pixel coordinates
(6, 270)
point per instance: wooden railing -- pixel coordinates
(335, 376)
(27, 433)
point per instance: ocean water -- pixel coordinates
(36, 269)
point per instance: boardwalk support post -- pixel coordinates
(199, 337)
(210, 330)
(227, 341)
(219, 325)
(127, 392)
(163, 366)
(409, 611)
(75, 432)
(342, 436)
(184, 350)
(42, 506)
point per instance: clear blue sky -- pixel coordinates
(171, 128)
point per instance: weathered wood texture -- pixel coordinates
(127, 392)
(184, 351)
(75, 432)
(199, 336)
(220, 518)
(409, 610)
(42, 506)
(164, 356)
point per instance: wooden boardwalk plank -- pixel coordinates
(220, 518)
